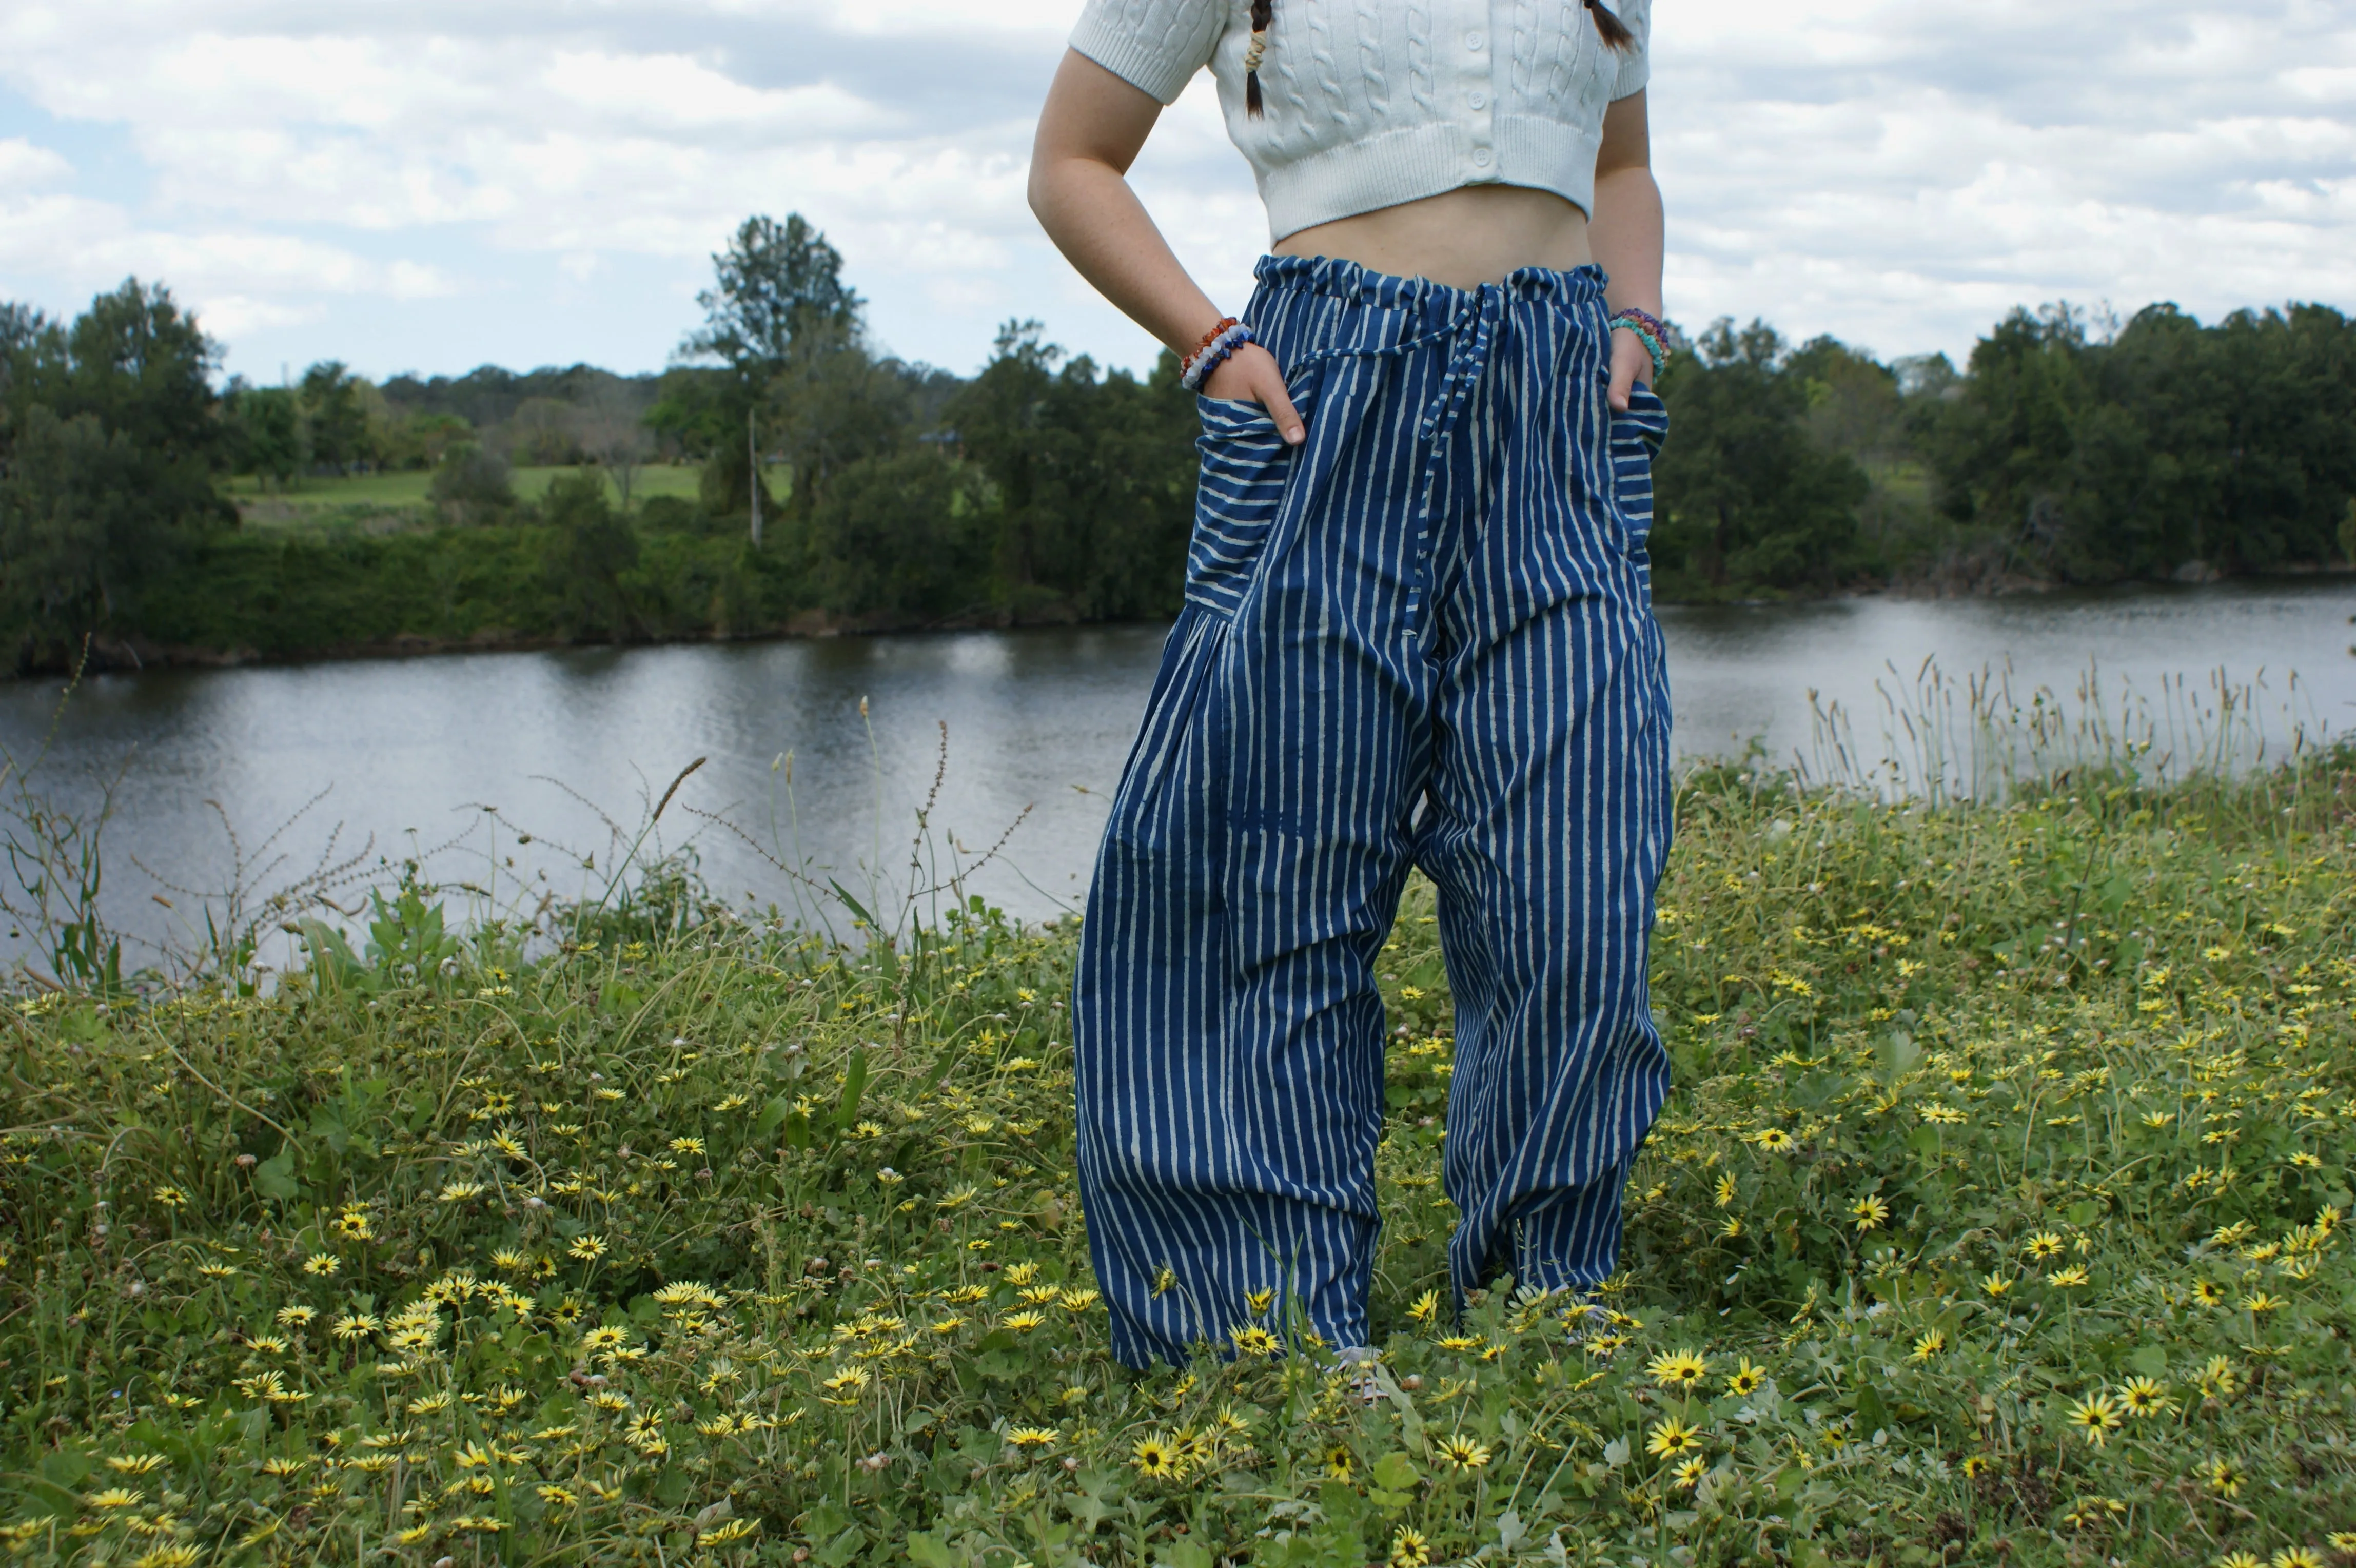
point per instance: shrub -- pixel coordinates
(674, 514)
(473, 484)
(594, 547)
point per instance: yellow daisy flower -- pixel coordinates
(1682, 1367)
(2097, 1416)
(1461, 1453)
(2145, 1397)
(1670, 1438)
(1157, 1457)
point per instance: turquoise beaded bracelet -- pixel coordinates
(1649, 332)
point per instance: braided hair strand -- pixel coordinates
(1263, 12)
(1613, 30)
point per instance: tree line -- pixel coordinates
(841, 486)
(2068, 451)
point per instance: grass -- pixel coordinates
(1996, 1216)
(404, 490)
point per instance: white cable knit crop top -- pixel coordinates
(1368, 104)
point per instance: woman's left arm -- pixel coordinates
(1625, 233)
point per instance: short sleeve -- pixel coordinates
(1156, 45)
(1636, 65)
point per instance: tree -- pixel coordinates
(109, 437)
(696, 410)
(1857, 407)
(544, 432)
(270, 436)
(776, 285)
(334, 416)
(1749, 499)
(1093, 478)
(2167, 448)
(21, 327)
(724, 489)
(77, 531)
(594, 545)
(830, 405)
(615, 435)
(779, 310)
(421, 440)
(1853, 403)
(902, 536)
(142, 369)
(2290, 452)
(473, 484)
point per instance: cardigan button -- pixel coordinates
(1473, 40)
(1480, 156)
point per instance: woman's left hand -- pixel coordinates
(1629, 365)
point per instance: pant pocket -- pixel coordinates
(1240, 490)
(1635, 438)
(1171, 792)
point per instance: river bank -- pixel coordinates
(412, 593)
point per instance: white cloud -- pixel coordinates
(672, 93)
(1895, 173)
(24, 166)
(231, 314)
(37, 229)
(1898, 174)
(236, 280)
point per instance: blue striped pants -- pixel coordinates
(1424, 637)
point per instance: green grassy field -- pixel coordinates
(1997, 1217)
(407, 488)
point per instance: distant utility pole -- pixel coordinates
(753, 466)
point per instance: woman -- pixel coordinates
(1418, 631)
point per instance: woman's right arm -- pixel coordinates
(1089, 133)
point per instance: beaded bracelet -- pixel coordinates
(1660, 356)
(1203, 342)
(1649, 331)
(1643, 318)
(1230, 336)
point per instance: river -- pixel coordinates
(393, 758)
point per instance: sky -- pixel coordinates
(431, 185)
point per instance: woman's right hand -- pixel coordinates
(1251, 374)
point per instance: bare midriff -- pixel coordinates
(1464, 238)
